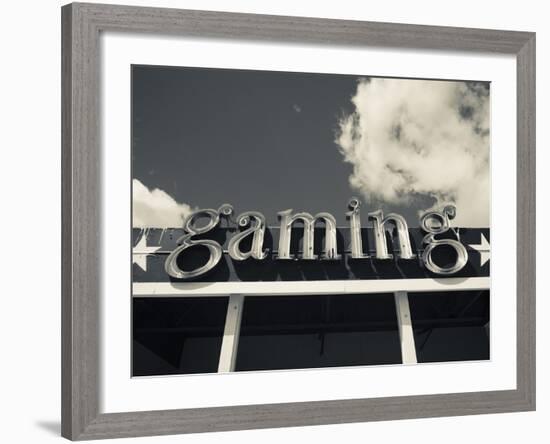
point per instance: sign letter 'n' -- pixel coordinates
(379, 228)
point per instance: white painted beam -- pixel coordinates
(201, 289)
(230, 342)
(406, 335)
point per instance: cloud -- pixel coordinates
(417, 140)
(156, 208)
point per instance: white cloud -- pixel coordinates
(156, 208)
(417, 137)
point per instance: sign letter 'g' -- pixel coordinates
(443, 224)
(215, 250)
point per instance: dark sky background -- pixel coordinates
(259, 140)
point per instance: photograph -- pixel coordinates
(295, 220)
(274, 222)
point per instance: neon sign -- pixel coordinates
(434, 224)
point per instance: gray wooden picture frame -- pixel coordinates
(81, 174)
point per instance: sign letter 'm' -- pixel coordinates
(287, 219)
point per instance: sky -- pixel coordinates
(270, 141)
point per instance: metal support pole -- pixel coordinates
(406, 336)
(230, 343)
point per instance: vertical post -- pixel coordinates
(230, 342)
(408, 350)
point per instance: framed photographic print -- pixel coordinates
(279, 221)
